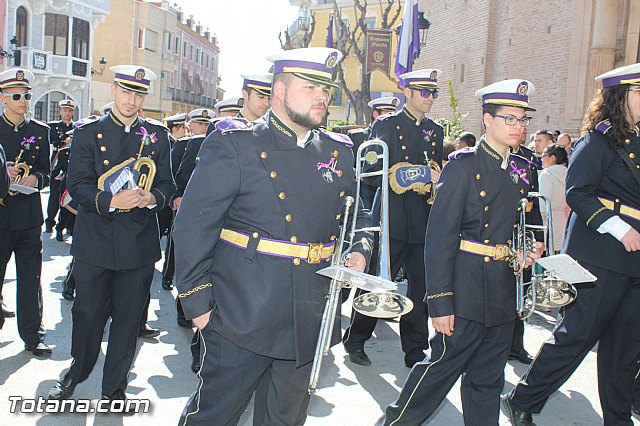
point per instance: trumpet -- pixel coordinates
(23, 169)
(546, 290)
(145, 181)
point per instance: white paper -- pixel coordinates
(358, 279)
(26, 190)
(125, 177)
(566, 268)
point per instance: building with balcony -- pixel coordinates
(156, 35)
(53, 39)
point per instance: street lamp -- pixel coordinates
(14, 42)
(103, 63)
(423, 26)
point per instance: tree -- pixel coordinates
(452, 128)
(351, 42)
(303, 24)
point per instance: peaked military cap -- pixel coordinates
(261, 83)
(512, 92)
(16, 77)
(385, 104)
(201, 115)
(315, 64)
(67, 103)
(133, 77)
(229, 105)
(176, 119)
(421, 79)
(629, 74)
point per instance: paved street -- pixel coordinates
(348, 394)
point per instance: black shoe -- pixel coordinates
(119, 395)
(48, 230)
(68, 295)
(63, 389)
(516, 417)
(6, 312)
(358, 356)
(184, 323)
(59, 236)
(39, 349)
(148, 332)
(195, 366)
(167, 284)
(521, 356)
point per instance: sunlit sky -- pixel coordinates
(247, 31)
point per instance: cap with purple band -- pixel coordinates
(133, 77)
(629, 74)
(260, 83)
(421, 79)
(514, 92)
(316, 64)
(16, 77)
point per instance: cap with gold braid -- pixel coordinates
(67, 103)
(16, 77)
(514, 92)
(176, 120)
(260, 83)
(315, 64)
(629, 74)
(201, 115)
(421, 79)
(229, 105)
(133, 77)
(384, 104)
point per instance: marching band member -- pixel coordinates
(259, 217)
(116, 243)
(26, 144)
(603, 191)
(256, 96)
(413, 139)
(470, 284)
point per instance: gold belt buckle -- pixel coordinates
(315, 253)
(502, 252)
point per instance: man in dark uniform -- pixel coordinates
(413, 139)
(66, 219)
(470, 284)
(5, 180)
(259, 217)
(379, 107)
(256, 96)
(229, 107)
(116, 243)
(603, 191)
(58, 135)
(26, 144)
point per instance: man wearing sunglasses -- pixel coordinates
(24, 141)
(414, 141)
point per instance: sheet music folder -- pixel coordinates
(566, 268)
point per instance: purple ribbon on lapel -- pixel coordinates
(521, 172)
(145, 134)
(32, 139)
(331, 165)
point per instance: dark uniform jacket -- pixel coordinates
(410, 140)
(476, 200)
(116, 240)
(187, 163)
(597, 171)
(4, 176)
(21, 211)
(58, 133)
(177, 152)
(358, 137)
(257, 181)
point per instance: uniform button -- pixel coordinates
(486, 225)
(404, 148)
(37, 147)
(294, 239)
(478, 176)
(338, 216)
(401, 137)
(617, 200)
(274, 175)
(264, 155)
(632, 155)
(103, 148)
(288, 218)
(483, 194)
(106, 162)
(433, 144)
(333, 238)
(406, 157)
(341, 193)
(397, 127)
(255, 235)
(99, 135)
(627, 141)
(487, 259)
(519, 209)
(296, 261)
(335, 154)
(282, 195)
(486, 241)
(486, 208)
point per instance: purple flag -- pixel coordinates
(409, 40)
(330, 33)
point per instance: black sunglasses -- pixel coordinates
(426, 92)
(16, 96)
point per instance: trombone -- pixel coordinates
(546, 290)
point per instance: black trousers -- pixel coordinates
(169, 267)
(54, 203)
(100, 294)
(66, 220)
(605, 311)
(26, 246)
(414, 333)
(476, 352)
(228, 378)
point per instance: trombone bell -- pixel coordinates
(552, 292)
(382, 305)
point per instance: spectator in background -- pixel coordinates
(565, 140)
(447, 148)
(542, 140)
(552, 185)
(465, 139)
(556, 135)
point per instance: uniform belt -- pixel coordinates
(495, 251)
(311, 252)
(625, 210)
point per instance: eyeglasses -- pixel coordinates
(16, 96)
(512, 120)
(634, 89)
(425, 93)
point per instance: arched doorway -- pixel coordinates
(47, 108)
